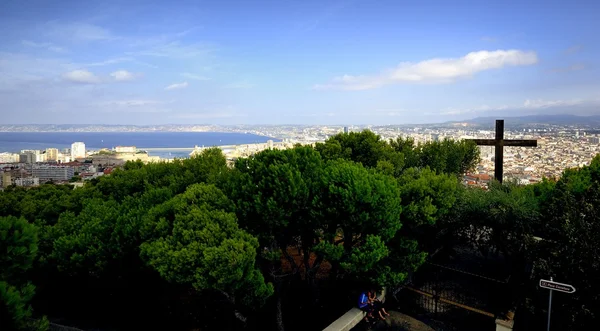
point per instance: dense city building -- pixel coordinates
(51, 154)
(52, 172)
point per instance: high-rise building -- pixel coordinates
(77, 151)
(270, 144)
(51, 154)
(345, 129)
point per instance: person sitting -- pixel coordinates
(365, 305)
(377, 305)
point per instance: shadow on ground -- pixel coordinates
(396, 321)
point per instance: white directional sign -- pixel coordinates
(551, 285)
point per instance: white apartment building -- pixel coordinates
(51, 154)
(39, 158)
(50, 172)
(77, 150)
(9, 158)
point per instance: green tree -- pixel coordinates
(75, 179)
(364, 147)
(274, 192)
(18, 248)
(446, 156)
(501, 220)
(194, 239)
(360, 213)
(569, 248)
(427, 199)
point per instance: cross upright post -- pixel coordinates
(499, 144)
(499, 151)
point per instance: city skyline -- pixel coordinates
(294, 62)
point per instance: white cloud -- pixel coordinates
(134, 103)
(175, 50)
(314, 115)
(529, 105)
(475, 110)
(48, 46)
(208, 115)
(17, 69)
(77, 31)
(108, 62)
(81, 76)
(437, 70)
(194, 76)
(393, 112)
(160, 39)
(539, 103)
(118, 60)
(123, 75)
(176, 86)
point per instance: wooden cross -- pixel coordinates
(499, 142)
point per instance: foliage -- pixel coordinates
(446, 156)
(340, 211)
(274, 193)
(359, 210)
(364, 147)
(194, 239)
(18, 247)
(502, 219)
(569, 250)
(75, 179)
(393, 157)
(369, 208)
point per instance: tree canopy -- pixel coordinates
(18, 245)
(195, 242)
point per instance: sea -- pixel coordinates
(159, 142)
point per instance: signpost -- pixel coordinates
(554, 286)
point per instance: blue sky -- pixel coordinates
(295, 61)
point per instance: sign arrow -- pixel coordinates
(551, 285)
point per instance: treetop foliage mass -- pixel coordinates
(196, 241)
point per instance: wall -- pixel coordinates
(351, 318)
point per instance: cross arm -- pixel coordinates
(484, 142)
(494, 142)
(523, 143)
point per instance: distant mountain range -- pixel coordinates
(560, 120)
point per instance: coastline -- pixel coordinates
(155, 141)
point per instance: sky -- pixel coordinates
(330, 62)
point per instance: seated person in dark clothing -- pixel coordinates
(377, 304)
(365, 305)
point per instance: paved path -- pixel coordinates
(396, 322)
